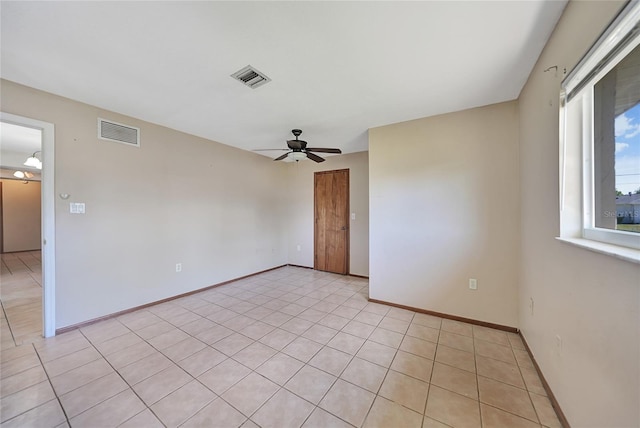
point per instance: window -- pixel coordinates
(600, 121)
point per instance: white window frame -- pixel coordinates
(577, 94)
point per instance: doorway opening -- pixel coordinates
(331, 222)
(28, 244)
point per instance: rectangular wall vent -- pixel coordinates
(250, 77)
(112, 131)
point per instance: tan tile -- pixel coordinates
(17, 352)
(376, 308)
(452, 409)
(330, 360)
(278, 339)
(26, 399)
(423, 332)
(139, 320)
(491, 335)
(346, 343)
(170, 338)
(118, 343)
(506, 397)
(155, 329)
(456, 380)
(239, 322)
(385, 413)
(104, 330)
(496, 418)
(144, 419)
(377, 353)
(250, 393)
(405, 390)
(129, 355)
(17, 365)
(457, 327)
(323, 419)
(296, 325)
(197, 326)
(401, 314)
(456, 358)
(276, 319)
(254, 355)
(202, 361)
(293, 309)
(516, 341)
(419, 347)
(359, 329)
(495, 351)
(456, 341)
(432, 423)
(368, 318)
(180, 405)
(386, 337)
(498, 370)
(280, 368)
(87, 396)
(144, 368)
(345, 312)
(546, 413)
(22, 380)
(320, 334)
(223, 376)
(184, 349)
(532, 381)
(364, 374)
(348, 402)
(310, 383)
(47, 414)
(112, 412)
(334, 321)
(523, 359)
(232, 344)
(302, 349)
(257, 330)
(393, 324)
(161, 384)
(412, 365)
(80, 376)
(217, 414)
(284, 409)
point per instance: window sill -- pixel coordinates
(623, 253)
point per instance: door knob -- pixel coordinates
(343, 228)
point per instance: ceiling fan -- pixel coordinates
(298, 149)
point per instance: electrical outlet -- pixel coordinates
(298, 248)
(473, 284)
(178, 267)
(531, 305)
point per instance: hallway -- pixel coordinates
(21, 298)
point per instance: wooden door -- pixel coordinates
(331, 230)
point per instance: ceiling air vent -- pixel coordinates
(250, 77)
(112, 131)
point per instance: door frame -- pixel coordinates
(348, 219)
(48, 224)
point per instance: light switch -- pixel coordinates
(353, 216)
(76, 207)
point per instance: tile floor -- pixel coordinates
(287, 348)
(21, 298)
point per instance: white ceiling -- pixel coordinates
(337, 68)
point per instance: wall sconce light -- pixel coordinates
(33, 161)
(23, 175)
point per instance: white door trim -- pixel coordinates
(48, 218)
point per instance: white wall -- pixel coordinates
(591, 301)
(443, 209)
(218, 210)
(300, 209)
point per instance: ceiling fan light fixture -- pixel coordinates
(18, 174)
(33, 162)
(296, 156)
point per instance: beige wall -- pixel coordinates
(443, 209)
(300, 209)
(591, 301)
(218, 210)
(20, 215)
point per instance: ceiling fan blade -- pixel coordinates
(268, 150)
(315, 158)
(324, 150)
(281, 157)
